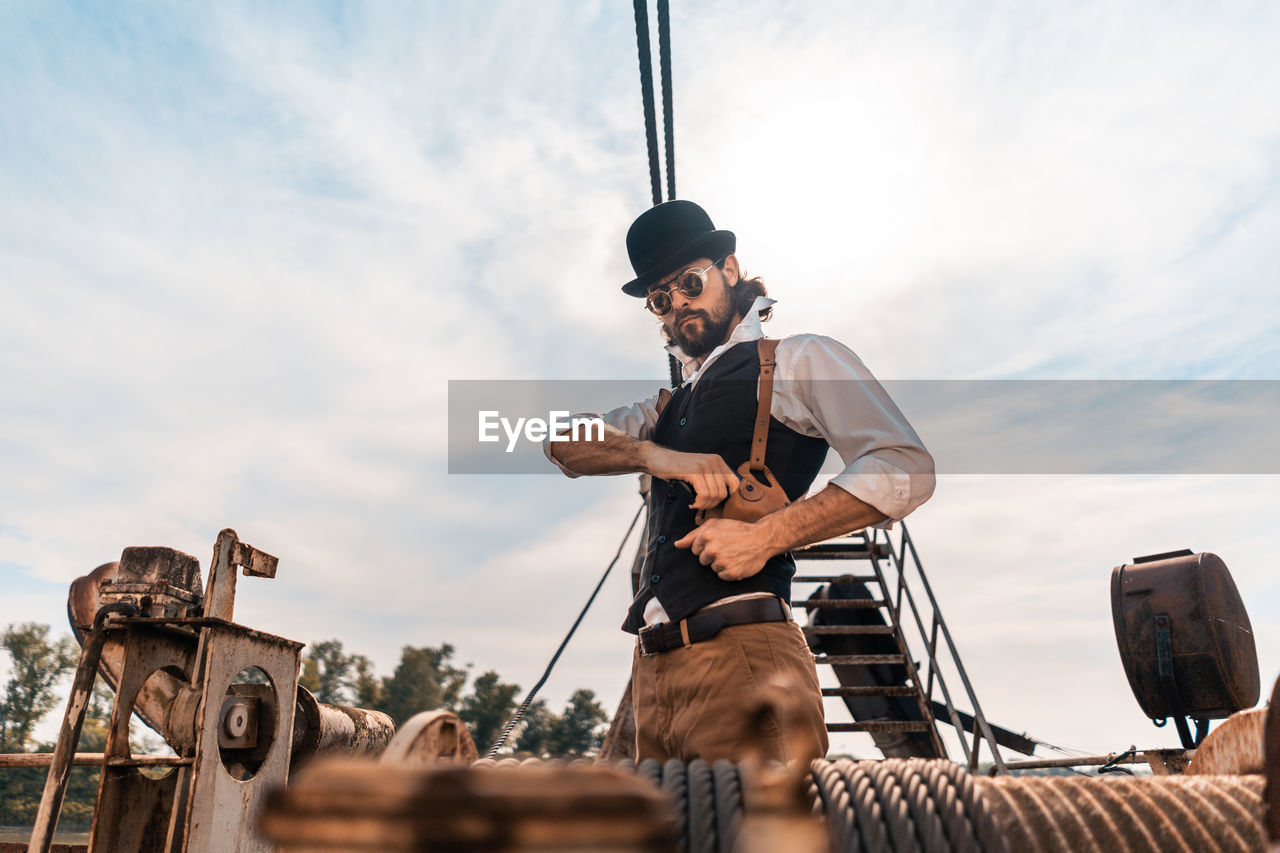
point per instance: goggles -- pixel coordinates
(690, 283)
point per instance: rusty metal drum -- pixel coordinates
(1188, 604)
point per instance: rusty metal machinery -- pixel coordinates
(225, 698)
(888, 806)
(1185, 639)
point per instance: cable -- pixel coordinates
(646, 93)
(664, 63)
(528, 700)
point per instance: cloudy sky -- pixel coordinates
(244, 248)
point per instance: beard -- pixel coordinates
(699, 338)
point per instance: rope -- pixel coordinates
(728, 803)
(1047, 814)
(646, 93)
(528, 700)
(675, 784)
(702, 808)
(664, 62)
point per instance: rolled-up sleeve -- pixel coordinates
(830, 393)
(636, 420)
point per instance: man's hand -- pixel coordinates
(711, 478)
(733, 549)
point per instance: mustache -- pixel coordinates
(693, 312)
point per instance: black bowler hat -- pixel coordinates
(668, 235)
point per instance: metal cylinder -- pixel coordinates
(320, 729)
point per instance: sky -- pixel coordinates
(244, 249)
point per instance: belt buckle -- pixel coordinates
(644, 635)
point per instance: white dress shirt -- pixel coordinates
(822, 390)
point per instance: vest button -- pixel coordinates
(655, 579)
(661, 539)
(671, 496)
(683, 421)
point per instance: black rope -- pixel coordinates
(646, 92)
(1113, 766)
(528, 700)
(664, 63)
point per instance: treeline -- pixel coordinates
(428, 678)
(425, 679)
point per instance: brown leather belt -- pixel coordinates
(705, 624)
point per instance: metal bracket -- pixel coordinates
(1169, 686)
(228, 554)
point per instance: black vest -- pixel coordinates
(716, 416)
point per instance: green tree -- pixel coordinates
(488, 707)
(576, 732)
(365, 682)
(424, 680)
(327, 672)
(38, 664)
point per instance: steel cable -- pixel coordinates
(728, 793)
(675, 784)
(960, 831)
(924, 815)
(646, 94)
(702, 808)
(664, 64)
(528, 700)
(867, 814)
(1200, 813)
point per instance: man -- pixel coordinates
(711, 610)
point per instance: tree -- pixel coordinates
(37, 666)
(365, 682)
(326, 672)
(424, 680)
(488, 707)
(576, 732)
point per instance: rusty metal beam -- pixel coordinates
(55, 784)
(90, 759)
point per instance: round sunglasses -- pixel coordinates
(690, 283)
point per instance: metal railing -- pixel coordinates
(907, 571)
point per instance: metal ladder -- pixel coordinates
(894, 576)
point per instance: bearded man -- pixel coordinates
(712, 613)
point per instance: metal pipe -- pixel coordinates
(1078, 761)
(90, 759)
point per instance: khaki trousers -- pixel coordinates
(690, 702)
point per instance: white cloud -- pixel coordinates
(245, 250)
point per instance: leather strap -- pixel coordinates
(767, 348)
(707, 623)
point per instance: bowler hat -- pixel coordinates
(668, 235)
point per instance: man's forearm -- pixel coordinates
(831, 512)
(615, 453)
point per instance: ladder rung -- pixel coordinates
(838, 603)
(850, 660)
(880, 726)
(821, 630)
(841, 551)
(869, 691)
(834, 579)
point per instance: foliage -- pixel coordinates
(576, 732)
(38, 664)
(424, 680)
(326, 672)
(488, 707)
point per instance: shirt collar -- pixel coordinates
(747, 330)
